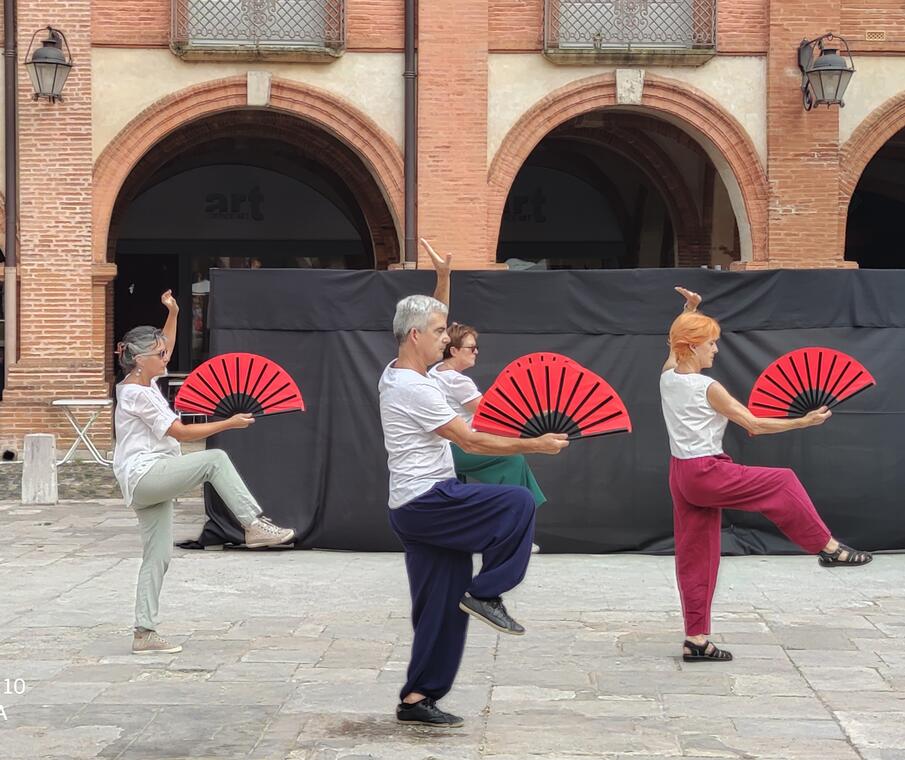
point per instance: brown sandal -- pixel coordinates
(700, 652)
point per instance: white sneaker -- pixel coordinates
(535, 549)
(149, 642)
(262, 532)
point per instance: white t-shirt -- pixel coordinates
(412, 407)
(459, 389)
(695, 428)
(141, 422)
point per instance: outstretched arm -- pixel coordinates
(692, 301)
(442, 265)
(202, 430)
(472, 442)
(724, 403)
(169, 328)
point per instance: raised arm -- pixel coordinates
(169, 328)
(692, 301)
(472, 442)
(442, 265)
(723, 402)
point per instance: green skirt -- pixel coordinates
(501, 471)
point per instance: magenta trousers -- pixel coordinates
(701, 488)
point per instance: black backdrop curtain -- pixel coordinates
(324, 473)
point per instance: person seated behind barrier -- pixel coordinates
(460, 355)
(440, 521)
(703, 480)
(152, 471)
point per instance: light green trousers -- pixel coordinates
(152, 501)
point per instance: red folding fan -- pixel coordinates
(806, 379)
(239, 384)
(550, 393)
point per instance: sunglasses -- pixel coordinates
(162, 354)
(473, 349)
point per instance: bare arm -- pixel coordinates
(169, 328)
(471, 442)
(692, 301)
(202, 430)
(442, 265)
(724, 403)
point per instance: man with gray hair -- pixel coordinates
(440, 521)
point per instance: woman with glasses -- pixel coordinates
(152, 471)
(463, 396)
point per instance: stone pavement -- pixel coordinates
(300, 655)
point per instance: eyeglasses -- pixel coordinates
(162, 354)
(473, 349)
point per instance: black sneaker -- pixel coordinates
(426, 713)
(492, 612)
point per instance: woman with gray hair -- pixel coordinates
(152, 471)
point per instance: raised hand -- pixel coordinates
(692, 299)
(441, 263)
(167, 300)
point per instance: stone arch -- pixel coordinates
(725, 140)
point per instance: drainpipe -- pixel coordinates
(411, 139)
(10, 290)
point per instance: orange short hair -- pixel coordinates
(690, 329)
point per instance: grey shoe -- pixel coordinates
(492, 612)
(262, 532)
(426, 713)
(149, 642)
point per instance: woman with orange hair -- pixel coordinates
(703, 480)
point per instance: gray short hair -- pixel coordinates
(413, 313)
(139, 340)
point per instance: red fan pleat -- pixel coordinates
(239, 384)
(807, 379)
(550, 393)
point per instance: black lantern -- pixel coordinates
(824, 79)
(48, 67)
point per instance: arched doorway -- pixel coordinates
(701, 171)
(239, 189)
(874, 224)
(616, 189)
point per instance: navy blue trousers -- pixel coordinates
(440, 531)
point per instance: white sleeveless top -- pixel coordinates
(695, 428)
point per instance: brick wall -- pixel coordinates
(452, 125)
(375, 24)
(862, 19)
(516, 25)
(130, 23)
(742, 26)
(60, 355)
(802, 147)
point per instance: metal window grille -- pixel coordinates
(258, 24)
(627, 24)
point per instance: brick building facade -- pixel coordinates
(677, 154)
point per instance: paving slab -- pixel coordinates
(282, 662)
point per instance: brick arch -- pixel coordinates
(725, 140)
(310, 145)
(370, 143)
(877, 129)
